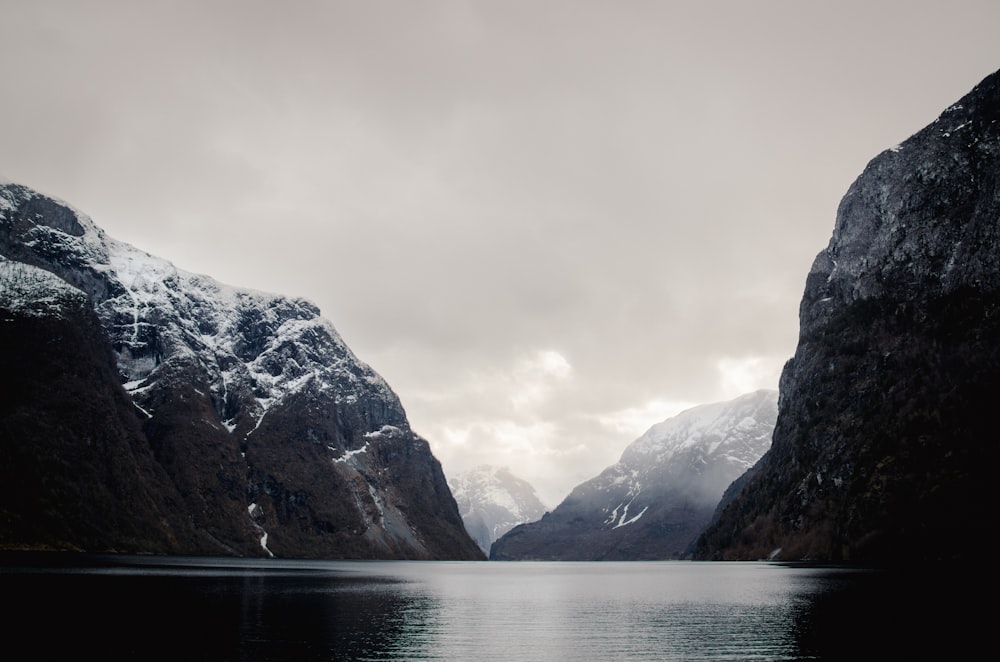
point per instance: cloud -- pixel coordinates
(535, 377)
(543, 224)
(634, 421)
(749, 373)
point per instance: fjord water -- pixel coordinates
(116, 607)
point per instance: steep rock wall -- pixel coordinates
(886, 442)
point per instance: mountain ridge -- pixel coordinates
(655, 500)
(314, 455)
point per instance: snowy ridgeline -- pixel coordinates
(736, 430)
(265, 345)
(703, 448)
(34, 292)
(272, 344)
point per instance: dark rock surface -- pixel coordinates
(75, 469)
(886, 442)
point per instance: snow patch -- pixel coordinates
(349, 455)
(263, 544)
(377, 500)
(34, 292)
(386, 432)
(626, 522)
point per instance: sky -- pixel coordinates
(548, 224)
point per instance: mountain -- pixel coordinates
(661, 493)
(886, 446)
(147, 409)
(492, 500)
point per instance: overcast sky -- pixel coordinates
(548, 224)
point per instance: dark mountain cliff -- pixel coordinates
(886, 442)
(661, 493)
(75, 470)
(147, 409)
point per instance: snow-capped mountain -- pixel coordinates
(276, 438)
(654, 501)
(492, 500)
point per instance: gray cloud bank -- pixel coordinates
(547, 224)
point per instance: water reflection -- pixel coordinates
(316, 617)
(925, 612)
(210, 609)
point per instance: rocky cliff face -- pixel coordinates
(885, 442)
(492, 501)
(659, 496)
(75, 471)
(255, 429)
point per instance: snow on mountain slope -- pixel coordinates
(28, 290)
(492, 501)
(701, 450)
(264, 343)
(733, 434)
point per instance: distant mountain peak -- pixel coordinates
(712, 426)
(654, 501)
(492, 500)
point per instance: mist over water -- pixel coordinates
(225, 609)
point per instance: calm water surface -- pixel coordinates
(141, 608)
